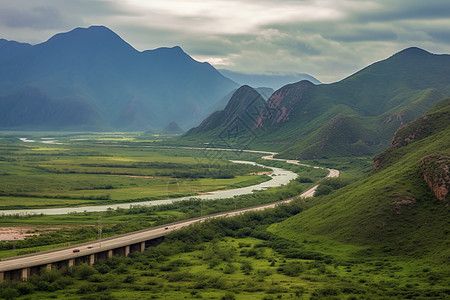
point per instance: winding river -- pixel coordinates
(279, 177)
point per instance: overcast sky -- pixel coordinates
(328, 39)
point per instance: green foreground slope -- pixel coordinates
(391, 211)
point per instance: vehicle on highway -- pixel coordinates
(76, 250)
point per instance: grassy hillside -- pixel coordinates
(382, 97)
(354, 117)
(392, 210)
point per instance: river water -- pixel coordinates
(278, 177)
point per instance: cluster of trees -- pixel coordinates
(216, 170)
(329, 185)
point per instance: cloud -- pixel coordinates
(230, 16)
(38, 17)
(329, 39)
(388, 11)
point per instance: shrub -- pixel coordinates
(247, 267)
(102, 268)
(9, 293)
(25, 288)
(228, 296)
(83, 271)
(292, 269)
(129, 279)
(322, 190)
(304, 180)
(229, 268)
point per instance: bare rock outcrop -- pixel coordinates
(436, 173)
(402, 203)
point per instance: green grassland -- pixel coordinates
(110, 169)
(65, 175)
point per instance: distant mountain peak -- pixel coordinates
(412, 51)
(97, 36)
(7, 42)
(172, 128)
(244, 93)
(244, 88)
(97, 31)
(304, 82)
(169, 50)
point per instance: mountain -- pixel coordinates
(274, 81)
(356, 116)
(172, 128)
(10, 49)
(402, 207)
(265, 92)
(235, 120)
(107, 84)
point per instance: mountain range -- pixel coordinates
(355, 116)
(91, 79)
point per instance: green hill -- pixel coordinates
(356, 116)
(401, 208)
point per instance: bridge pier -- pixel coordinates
(91, 259)
(25, 271)
(25, 274)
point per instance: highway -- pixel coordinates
(57, 255)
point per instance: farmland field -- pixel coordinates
(105, 169)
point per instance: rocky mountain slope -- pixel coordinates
(356, 116)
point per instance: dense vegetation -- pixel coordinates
(237, 258)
